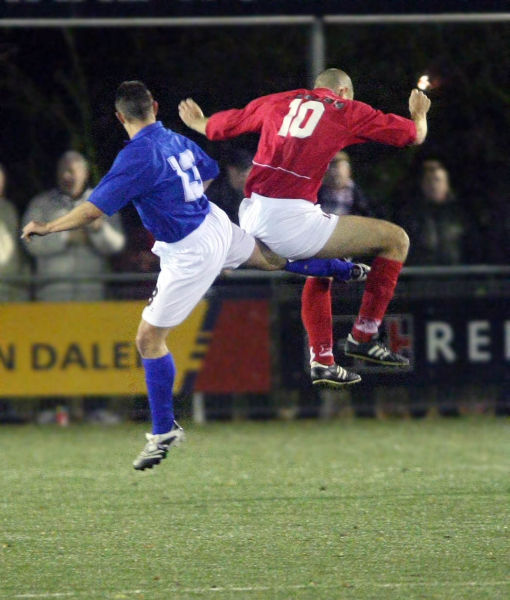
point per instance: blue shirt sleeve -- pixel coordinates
(207, 167)
(128, 179)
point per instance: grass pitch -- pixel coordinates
(350, 510)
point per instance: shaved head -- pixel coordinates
(335, 80)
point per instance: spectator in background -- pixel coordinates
(13, 261)
(437, 224)
(227, 191)
(339, 194)
(81, 251)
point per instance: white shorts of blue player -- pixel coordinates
(190, 266)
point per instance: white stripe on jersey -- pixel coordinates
(281, 169)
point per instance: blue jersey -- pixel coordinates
(161, 172)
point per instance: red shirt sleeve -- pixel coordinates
(231, 123)
(368, 124)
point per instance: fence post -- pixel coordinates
(316, 50)
(198, 408)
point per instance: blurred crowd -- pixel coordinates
(442, 230)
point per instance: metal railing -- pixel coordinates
(265, 20)
(243, 274)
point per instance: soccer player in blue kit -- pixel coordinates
(164, 175)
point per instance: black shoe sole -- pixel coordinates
(142, 468)
(327, 383)
(376, 361)
(145, 467)
(155, 462)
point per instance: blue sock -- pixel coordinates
(321, 267)
(159, 376)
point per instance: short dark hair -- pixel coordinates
(134, 100)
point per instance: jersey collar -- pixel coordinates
(327, 92)
(147, 130)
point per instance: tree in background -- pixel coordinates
(48, 107)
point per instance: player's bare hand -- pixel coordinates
(419, 103)
(96, 224)
(190, 112)
(34, 228)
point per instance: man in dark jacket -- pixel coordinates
(436, 222)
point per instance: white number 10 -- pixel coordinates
(294, 119)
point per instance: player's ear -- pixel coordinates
(120, 117)
(155, 107)
(349, 93)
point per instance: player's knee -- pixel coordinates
(404, 242)
(400, 242)
(141, 342)
(146, 342)
(265, 259)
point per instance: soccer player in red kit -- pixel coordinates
(300, 132)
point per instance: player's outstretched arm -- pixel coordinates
(192, 115)
(419, 104)
(81, 215)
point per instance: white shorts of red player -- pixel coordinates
(190, 266)
(292, 228)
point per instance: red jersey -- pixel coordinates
(300, 132)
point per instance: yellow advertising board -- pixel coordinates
(61, 349)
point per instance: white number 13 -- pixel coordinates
(298, 113)
(193, 190)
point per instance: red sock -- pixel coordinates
(317, 318)
(379, 290)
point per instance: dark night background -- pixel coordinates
(57, 88)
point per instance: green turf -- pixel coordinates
(349, 510)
